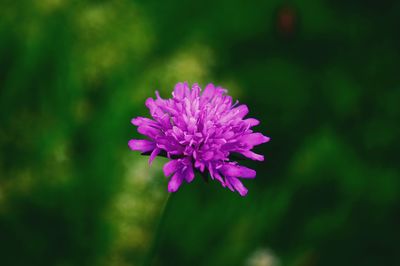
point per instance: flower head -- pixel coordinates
(199, 130)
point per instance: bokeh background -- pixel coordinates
(322, 76)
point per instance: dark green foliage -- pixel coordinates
(73, 74)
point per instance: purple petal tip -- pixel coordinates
(175, 182)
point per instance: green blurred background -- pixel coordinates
(322, 76)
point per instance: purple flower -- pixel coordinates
(199, 131)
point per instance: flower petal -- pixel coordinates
(138, 121)
(238, 186)
(169, 144)
(180, 90)
(229, 185)
(219, 178)
(189, 174)
(254, 139)
(207, 155)
(253, 155)
(241, 111)
(175, 182)
(141, 145)
(231, 170)
(154, 154)
(252, 122)
(149, 131)
(171, 167)
(195, 91)
(208, 93)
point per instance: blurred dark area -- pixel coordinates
(322, 76)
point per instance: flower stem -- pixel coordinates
(149, 259)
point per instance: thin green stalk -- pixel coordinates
(154, 245)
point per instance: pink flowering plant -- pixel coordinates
(199, 131)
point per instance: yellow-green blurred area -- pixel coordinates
(322, 76)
